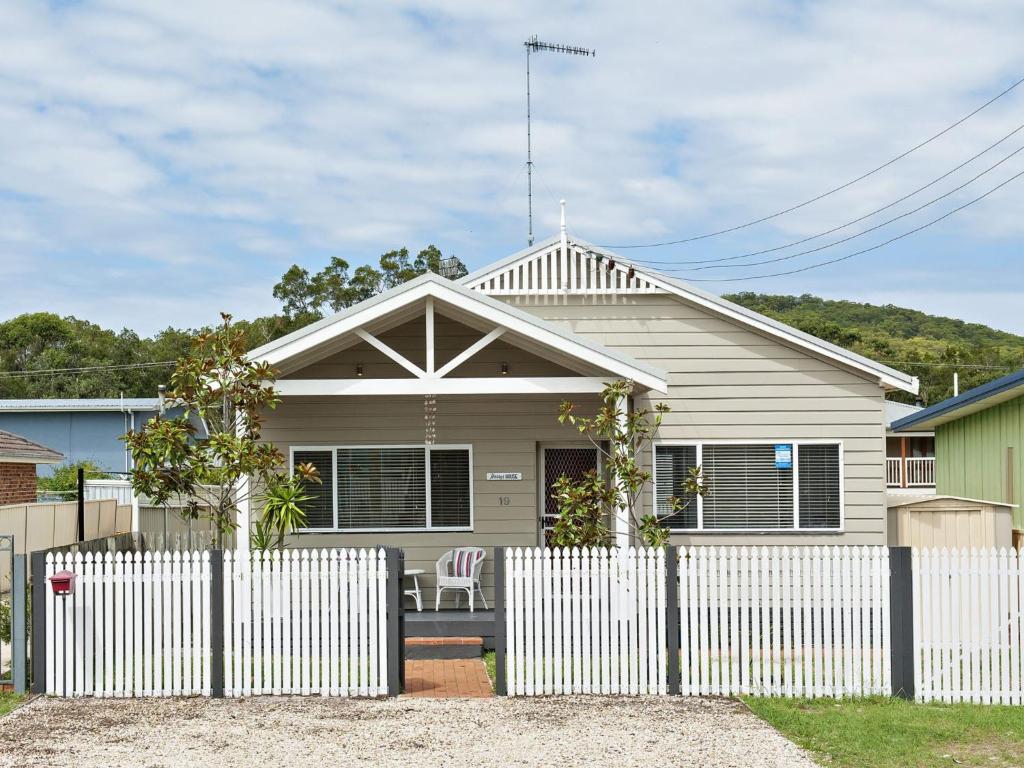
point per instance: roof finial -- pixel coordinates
(562, 204)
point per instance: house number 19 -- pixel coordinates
(504, 501)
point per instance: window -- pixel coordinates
(820, 502)
(673, 466)
(374, 488)
(772, 486)
(320, 508)
(746, 489)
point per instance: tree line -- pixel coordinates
(33, 345)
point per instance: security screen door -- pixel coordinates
(571, 461)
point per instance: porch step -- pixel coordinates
(451, 623)
(443, 647)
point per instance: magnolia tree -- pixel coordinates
(586, 504)
(210, 475)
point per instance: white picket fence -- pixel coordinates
(136, 625)
(784, 621)
(306, 622)
(968, 625)
(585, 621)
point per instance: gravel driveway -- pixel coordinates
(295, 732)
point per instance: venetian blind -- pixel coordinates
(672, 466)
(819, 486)
(746, 491)
(449, 488)
(319, 508)
(381, 488)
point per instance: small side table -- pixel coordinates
(414, 592)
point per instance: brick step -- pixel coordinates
(443, 647)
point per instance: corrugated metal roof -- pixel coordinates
(82, 404)
(895, 411)
(14, 446)
(972, 400)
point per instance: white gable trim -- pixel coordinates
(529, 273)
(480, 305)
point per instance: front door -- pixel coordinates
(571, 461)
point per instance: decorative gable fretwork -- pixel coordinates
(561, 270)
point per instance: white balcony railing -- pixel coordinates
(893, 472)
(912, 472)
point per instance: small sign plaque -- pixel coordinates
(783, 456)
(504, 475)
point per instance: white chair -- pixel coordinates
(460, 569)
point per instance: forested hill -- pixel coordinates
(930, 347)
(32, 346)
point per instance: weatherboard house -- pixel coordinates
(431, 410)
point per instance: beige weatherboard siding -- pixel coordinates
(730, 384)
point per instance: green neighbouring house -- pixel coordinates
(979, 442)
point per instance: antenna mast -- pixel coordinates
(532, 45)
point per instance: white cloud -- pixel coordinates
(212, 144)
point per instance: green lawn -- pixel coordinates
(9, 701)
(489, 663)
(891, 732)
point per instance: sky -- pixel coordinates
(163, 161)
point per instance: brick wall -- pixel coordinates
(17, 483)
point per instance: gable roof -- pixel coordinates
(472, 302)
(20, 449)
(977, 399)
(888, 377)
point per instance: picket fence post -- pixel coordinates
(672, 618)
(395, 630)
(217, 623)
(500, 640)
(39, 622)
(901, 613)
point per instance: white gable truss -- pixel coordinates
(424, 296)
(564, 266)
(557, 268)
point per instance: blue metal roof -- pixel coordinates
(946, 410)
(82, 404)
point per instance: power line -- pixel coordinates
(857, 234)
(823, 195)
(863, 250)
(920, 189)
(85, 369)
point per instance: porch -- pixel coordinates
(910, 461)
(430, 414)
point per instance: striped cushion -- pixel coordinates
(463, 561)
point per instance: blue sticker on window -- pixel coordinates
(783, 456)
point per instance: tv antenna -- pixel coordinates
(534, 45)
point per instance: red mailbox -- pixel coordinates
(63, 583)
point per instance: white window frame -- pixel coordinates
(426, 466)
(796, 443)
